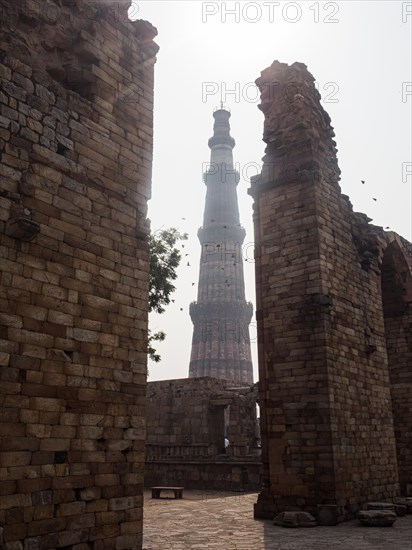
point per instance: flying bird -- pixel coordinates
(193, 284)
(188, 264)
(373, 198)
(362, 181)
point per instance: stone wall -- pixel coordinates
(76, 106)
(325, 391)
(212, 475)
(187, 421)
(396, 295)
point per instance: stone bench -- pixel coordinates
(178, 491)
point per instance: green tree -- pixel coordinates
(164, 260)
(156, 337)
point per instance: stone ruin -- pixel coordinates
(187, 422)
(333, 291)
(76, 110)
(334, 315)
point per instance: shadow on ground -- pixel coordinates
(219, 520)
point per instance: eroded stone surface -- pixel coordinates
(295, 519)
(377, 518)
(380, 506)
(405, 501)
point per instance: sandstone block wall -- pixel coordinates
(187, 420)
(325, 385)
(397, 297)
(76, 102)
(200, 412)
(218, 476)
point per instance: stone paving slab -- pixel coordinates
(224, 521)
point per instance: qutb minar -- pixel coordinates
(221, 315)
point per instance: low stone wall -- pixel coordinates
(193, 412)
(187, 422)
(219, 475)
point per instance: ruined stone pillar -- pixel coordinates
(326, 419)
(76, 124)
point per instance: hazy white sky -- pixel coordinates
(359, 53)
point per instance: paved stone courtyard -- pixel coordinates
(224, 521)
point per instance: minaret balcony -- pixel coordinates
(219, 234)
(241, 310)
(221, 140)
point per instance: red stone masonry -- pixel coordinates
(76, 126)
(334, 331)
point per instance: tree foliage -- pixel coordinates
(164, 260)
(156, 337)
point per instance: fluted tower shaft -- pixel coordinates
(221, 315)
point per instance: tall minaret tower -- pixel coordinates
(221, 315)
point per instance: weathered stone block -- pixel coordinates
(67, 538)
(295, 519)
(4, 359)
(71, 509)
(380, 506)
(377, 518)
(4, 122)
(42, 498)
(404, 501)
